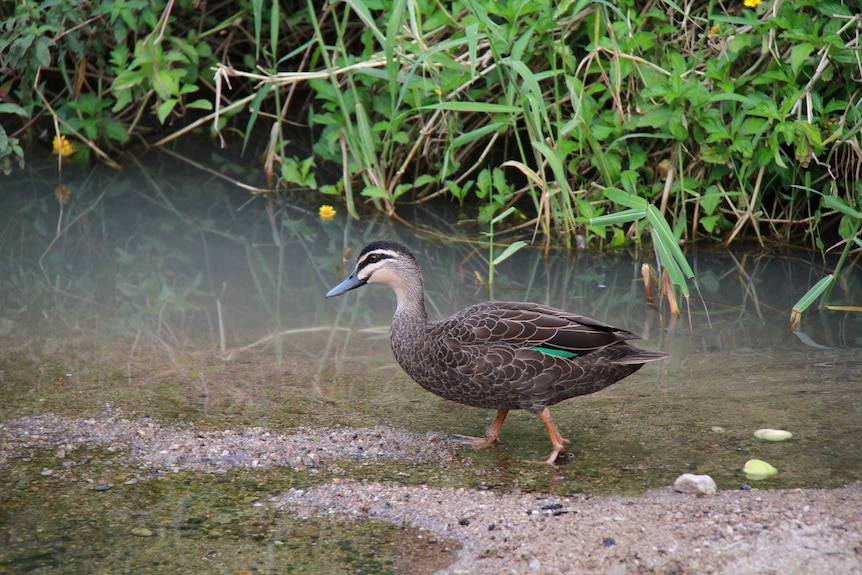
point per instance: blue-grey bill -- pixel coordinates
(352, 282)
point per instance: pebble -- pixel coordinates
(757, 469)
(772, 434)
(695, 484)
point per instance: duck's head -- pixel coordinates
(384, 262)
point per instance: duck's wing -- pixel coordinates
(531, 326)
(510, 355)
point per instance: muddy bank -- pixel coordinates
(752, 531)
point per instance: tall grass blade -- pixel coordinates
(626, 199)
(478, 107)
(367, 19)
(661, 230)
(262, 93)
(625, 216)
(806, 300)
(508, 252)
(392, 63)
(274, 29)
(257, 8)
(812, 294)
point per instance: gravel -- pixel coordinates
(752, 531)
(769, 532)
(153, 445)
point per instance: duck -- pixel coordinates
(499, 355)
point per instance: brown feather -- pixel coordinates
(489, 354)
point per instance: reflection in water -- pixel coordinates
(181, 298)
(130, 259)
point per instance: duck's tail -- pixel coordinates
(641, 356)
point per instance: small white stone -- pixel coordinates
(695, 484)
(772, 434)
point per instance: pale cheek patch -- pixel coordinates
(383, 276)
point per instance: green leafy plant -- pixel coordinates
(168, 74)
(848, 229)
(10, 148)
(54, 54)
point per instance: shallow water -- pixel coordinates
(180, 297)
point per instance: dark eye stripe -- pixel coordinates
(376, 256)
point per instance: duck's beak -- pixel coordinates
(352, 282)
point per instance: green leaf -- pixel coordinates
(677, 126)
(556, 164)
(274, 28)
(375, 192)
(509, 251)
(708, 222)
(657, 117)
(848, 227)
(9, 108)
(472, 33)
(670, 254)
(812, 294)
(622, 198)
(836, 203)
(424, 180)
(476, 134)
(732, 97)
(710, 199)
(474, 107)
(42, 49)
(715, 154)
(622, 217)
(115, 130)
(201, 104)
(165, 108)
(165, 83)
(501, 216)
(368, 20)
(799, 54)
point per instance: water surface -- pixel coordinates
(178, 296)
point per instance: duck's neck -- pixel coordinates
(411, 301)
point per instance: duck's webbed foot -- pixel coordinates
(558, 442)
(492, 435)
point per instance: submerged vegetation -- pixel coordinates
(576, 123)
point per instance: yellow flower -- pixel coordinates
(326, 212)
(63, 146)
(714, 30)
(752, 3)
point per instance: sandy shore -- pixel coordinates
(753, 531)
(802, 531)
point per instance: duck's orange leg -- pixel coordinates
(492, 435)
(557, 440)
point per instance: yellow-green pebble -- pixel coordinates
(757, 469)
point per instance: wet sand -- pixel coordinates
(742, 531)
